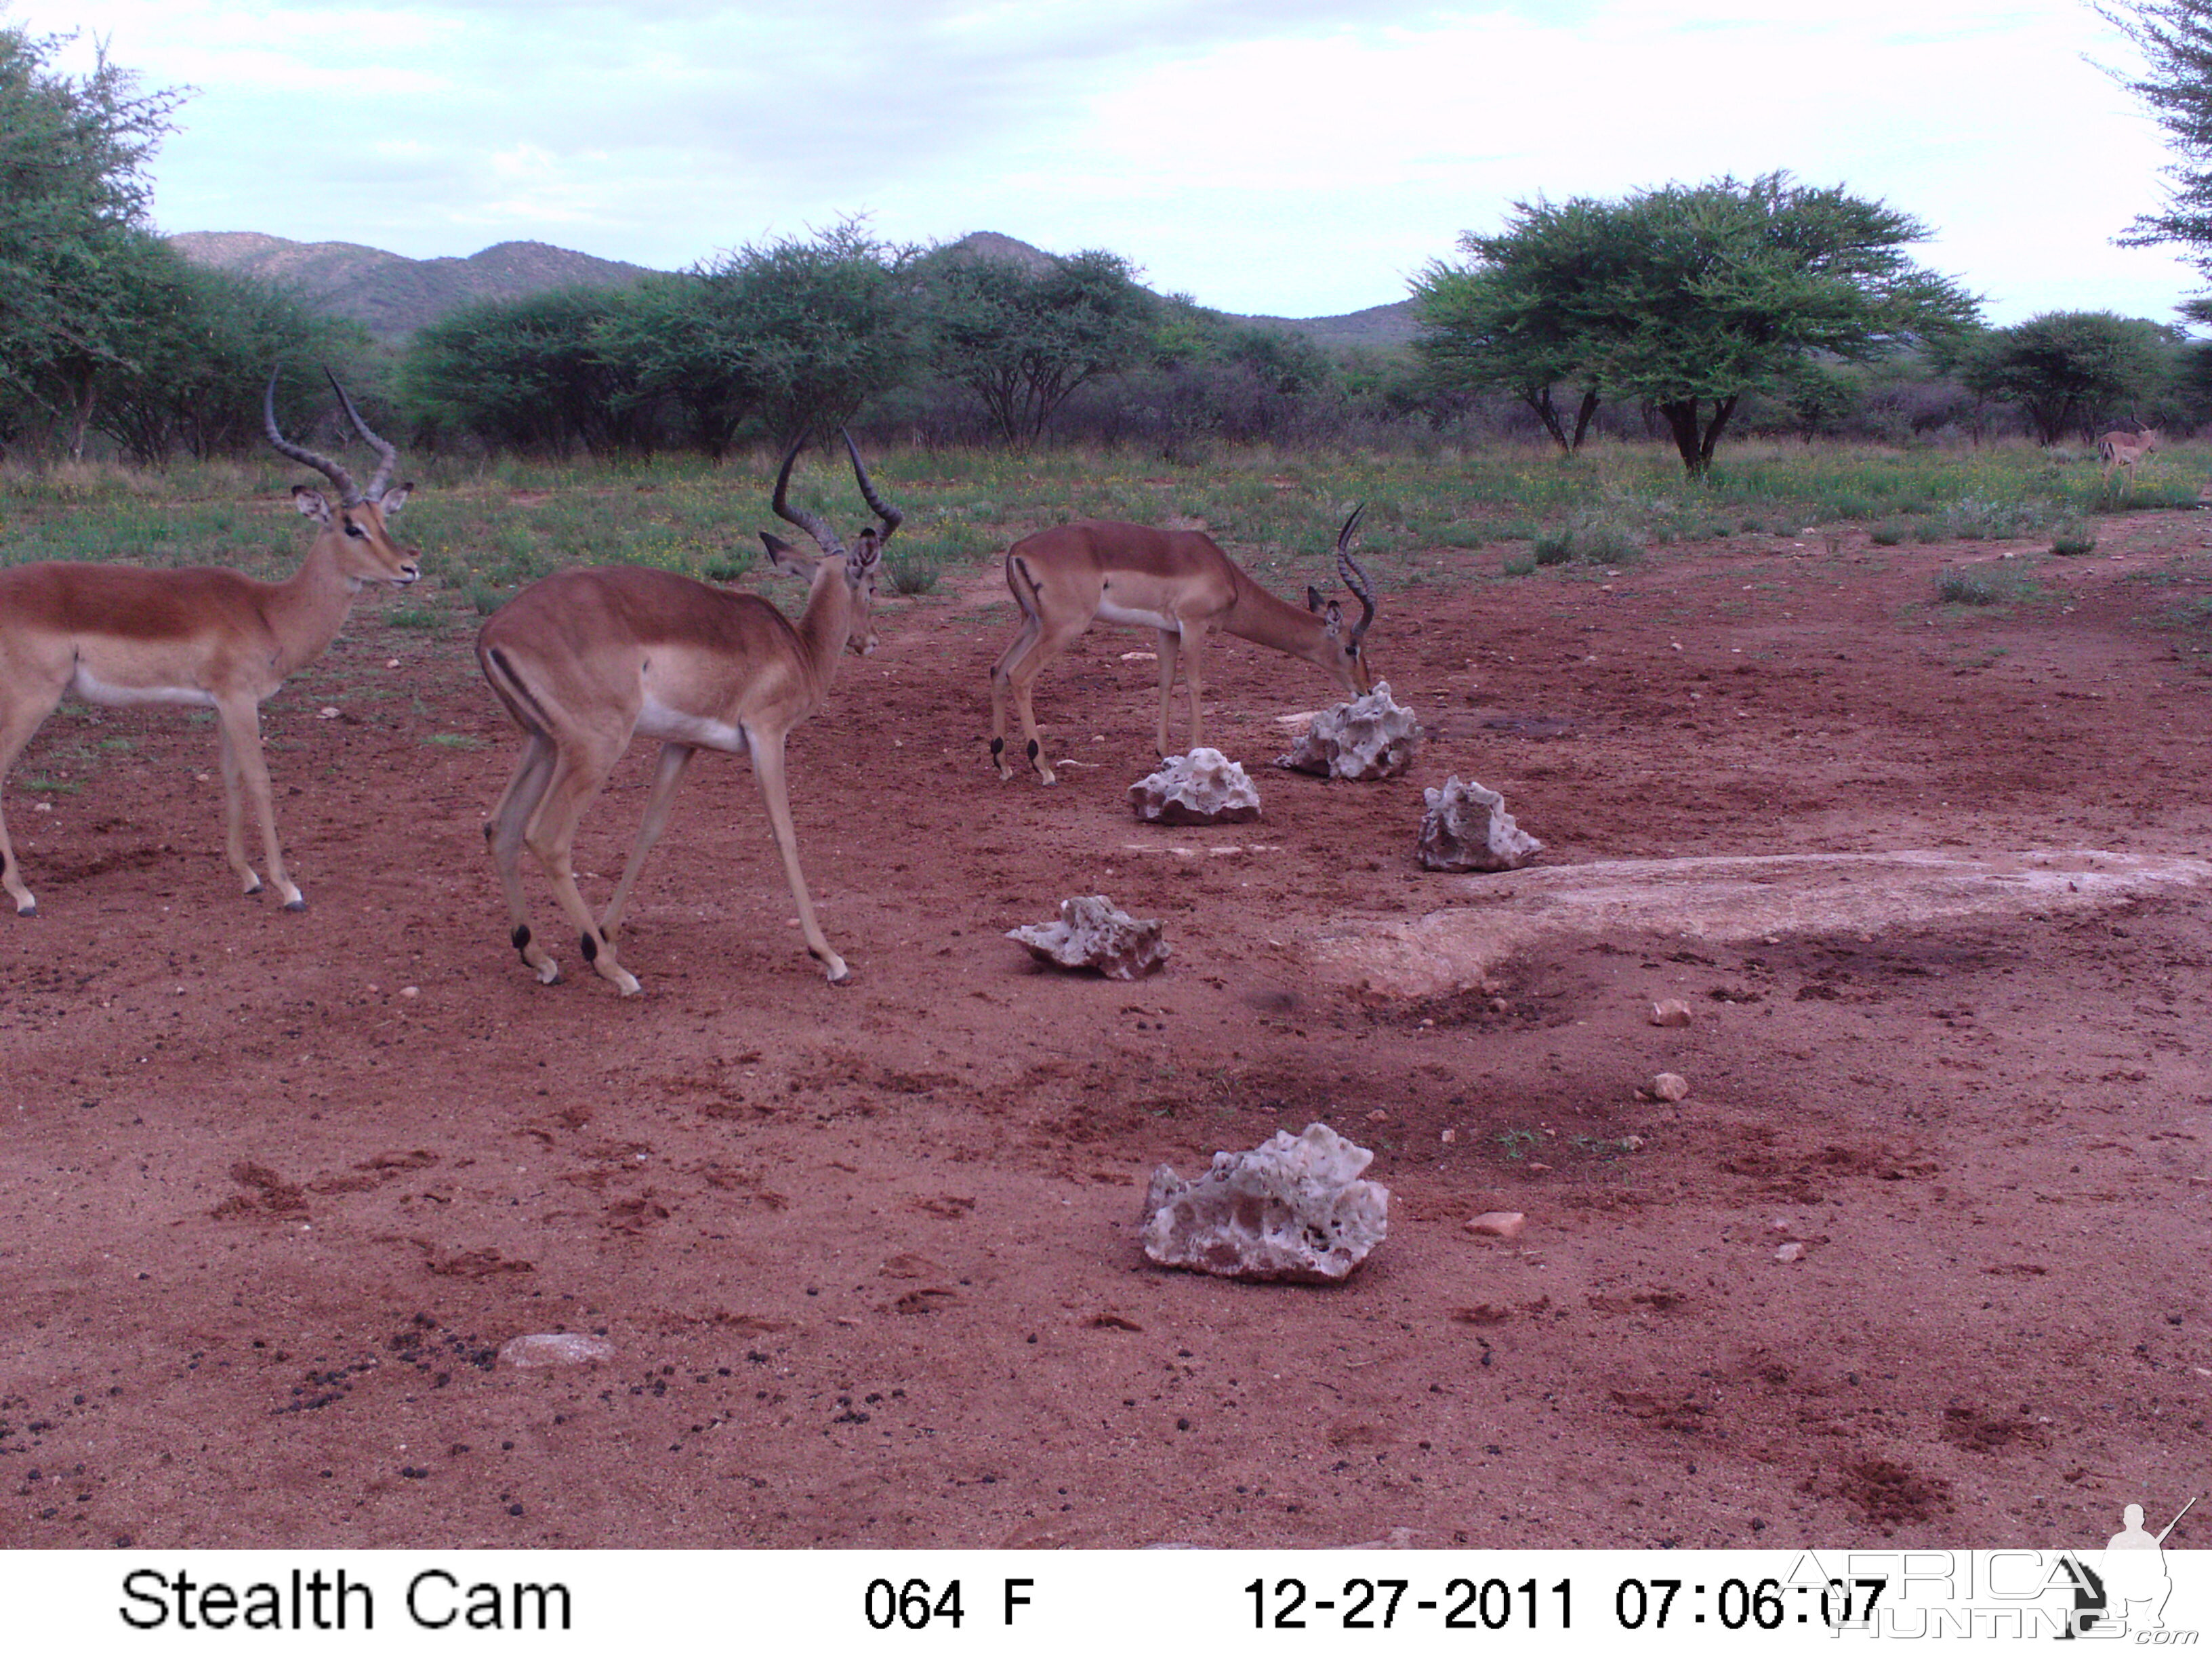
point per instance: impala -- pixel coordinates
(588, 659)
(2124, 449)
(1177, 582)
(208, 638)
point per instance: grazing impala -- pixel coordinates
(210, 639)
(1177, 582)
(587, 660)
(2124, 449)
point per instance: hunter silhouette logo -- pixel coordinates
(2127, 1590)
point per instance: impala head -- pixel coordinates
(859, 563)
(1345, 640)
(356, 528)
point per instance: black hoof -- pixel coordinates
(297, 904)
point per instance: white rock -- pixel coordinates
(1293, 1208)
(1497, 1224)
(1792, 1251)
(556, 1348)
(1204, 786)
(1369, 737)
(1092, 933)
(1467, 827)
(1673, 1012)
(1670, 1085)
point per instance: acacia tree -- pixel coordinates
(793, 335)
(2070, 371)
(1503, 321)
(73, 233)
(2175, 37)
(1026, 340)
(1687, 297)
(529, 373)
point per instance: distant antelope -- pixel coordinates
(2124, 449)
(1177, 582)
(207, 638)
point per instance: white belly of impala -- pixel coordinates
(658, 720)
(1122, 613)
(86, 684)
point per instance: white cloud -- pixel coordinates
(1280, 157)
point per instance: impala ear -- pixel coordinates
(785, 557)
(1314, 601)
(867, 552)
(394, 498)
(1332, 618)
(311, 503)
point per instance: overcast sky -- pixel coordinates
(1293, 157)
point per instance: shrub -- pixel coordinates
(1889, 532)
(1590, 536)
(2073, 537)
(1964, 588)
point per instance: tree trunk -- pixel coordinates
(1584, 415)
(1695, 439)
(1539, 398)
(1723, 408)
(1681, 420)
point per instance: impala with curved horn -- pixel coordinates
(2126, 449)
(587, 660)
(1177, 582)
(208, 638)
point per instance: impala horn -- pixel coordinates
(891, 516)
(1354, 577)
(348, 491)
(376, 485)
(825, 537)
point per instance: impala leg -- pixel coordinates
(577, 777)
(1021, 679)
(674, 758)
(246, 772)
(1193, 675)
(1170, 645)
(17, 724)
(1001, 677)
(768, 769)
(503, 836)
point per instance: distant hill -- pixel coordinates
(390, 296)
(1378, 328)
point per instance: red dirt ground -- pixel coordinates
(275, 1188)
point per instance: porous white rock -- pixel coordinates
(1467, 827)
(1092, 933)
(1369, 737)
(1204, 786)
(1294, 1208)
(555, 1348)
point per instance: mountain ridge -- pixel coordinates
(392, 296)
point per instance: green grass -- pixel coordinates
(1985, 584)
(485, 529)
